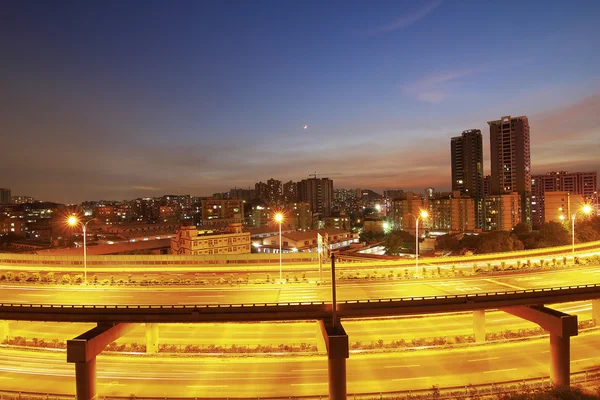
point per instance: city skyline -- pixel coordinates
(98, 110)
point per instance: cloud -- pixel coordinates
(147, 188)
(410, 18)
(436, 87)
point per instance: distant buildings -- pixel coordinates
(222, 212)
(511, 160)
(576, 183)
(5, 197)
(190, 241)
(467, 169)
(23, 200)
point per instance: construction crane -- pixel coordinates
(324, 173)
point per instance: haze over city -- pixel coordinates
(113, 100)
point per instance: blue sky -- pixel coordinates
(114, 100)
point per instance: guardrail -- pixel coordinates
(295, 310)
(472, 391)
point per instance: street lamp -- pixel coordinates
(424, 215)
(586, 209)
(279, 220)
(74, 221)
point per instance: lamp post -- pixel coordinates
(586, 209)
(279, 220)
(423, 215)
(74, 221)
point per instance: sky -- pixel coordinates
(116, 100)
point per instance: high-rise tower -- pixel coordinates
(467, 168)
(511, 160)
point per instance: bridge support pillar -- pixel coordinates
(83, 351)
(336, 341)
(479, 325)
(4, 331)
(321, 346)
(561, 327)
(596, 311)
(151, 338)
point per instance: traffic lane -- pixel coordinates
(284, 293)
(363, 330)
(298, 376)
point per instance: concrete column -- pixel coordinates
(337, 378)
(321, 346)
(4, 331)
(151, 338)
(336, 341)
(560, 368)
(561, 327)
(85, 380)
(596, 311)
(479, 325)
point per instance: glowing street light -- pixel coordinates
(586, 209)
(74, 221)
(423, 215)
(279, 220)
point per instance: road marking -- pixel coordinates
(500, 370)
(208, 295)
(582, 359)
(308, 384)
(6, 377)
(410, 379)
(401, 366)
(310, 370)
(504, 284)
(483, 359)
(112, 384)
(34, 294)
(545, 351)
(206, 386)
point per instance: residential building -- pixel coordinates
(467, 168)
(308, 241)
(452, 212)
(502, 212)
(487, 183)
(404, 209)
(22, 199)
(190, 241)
(561, 205)
(576, 183)
(290, 192)
(222, 212)
(298, 216)
(318, 192)
(5, 197)
(274, 191)
(511, 160)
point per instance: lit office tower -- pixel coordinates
(511, 164)
(467, 168)
(319, 193)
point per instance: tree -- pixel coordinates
(553, 234)
(499, 241)
(447, 242)
(398, 241)
(522, 228)
(586, 233)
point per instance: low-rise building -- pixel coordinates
(502, 212)
(308, 240)
(190, 241)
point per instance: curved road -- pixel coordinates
(295, 333)
(278, 376)
(286, 293)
